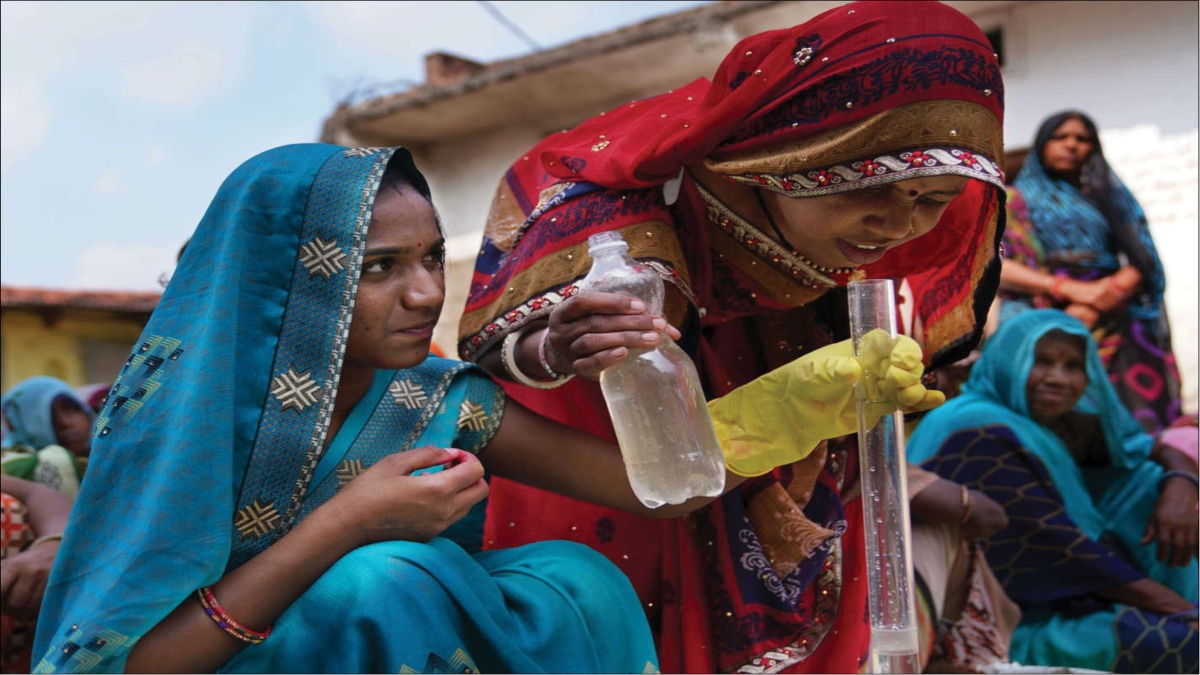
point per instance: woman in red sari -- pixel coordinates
(867, 139)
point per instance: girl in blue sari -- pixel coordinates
(1102, 534)
(271, 489)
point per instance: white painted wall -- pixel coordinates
(1123, 63)
(1132, 67)
(1161, 172)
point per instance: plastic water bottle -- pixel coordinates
(654, 396)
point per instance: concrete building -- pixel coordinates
(77, 336)
(1131, 65)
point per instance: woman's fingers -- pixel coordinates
(1183, 546)
(20, 593)
(424, 457)
(594, 302)
(595, 322)
(461, 476)
(591, 366)
(472, 495)
(594, 343)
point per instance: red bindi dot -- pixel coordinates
(912, 193)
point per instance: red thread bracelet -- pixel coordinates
(1121, 292)
(226, 623)
(1056, 287)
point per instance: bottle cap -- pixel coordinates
(606, 240)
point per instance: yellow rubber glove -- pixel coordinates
(780, 417)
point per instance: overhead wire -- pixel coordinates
(509, 24)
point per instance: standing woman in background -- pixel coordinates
(1077, 240)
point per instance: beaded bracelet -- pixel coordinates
(215, 612)
(508, 357)
(546, 362)
(968, 505)
(1178, 474)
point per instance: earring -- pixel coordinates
(911, 229)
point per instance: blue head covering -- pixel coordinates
(233, 379)
(28, 409)
(995, 394)
(212, 446)
(1093, 224)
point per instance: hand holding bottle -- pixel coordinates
(595, 330)
(780, 417)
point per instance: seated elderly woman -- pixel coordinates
(47, 433)
(1102, 532)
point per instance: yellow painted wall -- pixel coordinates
(29, 347)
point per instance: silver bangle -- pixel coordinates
(508, 357)
(546, 362)
(1178, 474)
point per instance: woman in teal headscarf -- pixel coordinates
(1102, 534)
(270, 489)
(1077, 240)
(48, 434)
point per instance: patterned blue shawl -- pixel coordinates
(238, 364)
(1090, 230)
(212, 445)
(995, 394)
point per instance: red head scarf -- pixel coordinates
(865, 93)
(842, 67)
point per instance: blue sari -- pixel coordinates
(1072, 531)
(212, 445)
(1060, 229)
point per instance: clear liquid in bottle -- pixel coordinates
(654, 396)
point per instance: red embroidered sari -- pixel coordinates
(771, 576)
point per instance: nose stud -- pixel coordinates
(911, 229)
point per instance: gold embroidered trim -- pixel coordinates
(256, 519)
(348, 470)
(928, 124)
(505, 218)
(471, 416)
(651, 239)
(788, 280)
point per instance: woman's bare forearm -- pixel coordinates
(540, 452)
(255, 594)
(48, 508)
(1149, 595)
(1016, 277)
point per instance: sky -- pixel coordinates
(121, 119)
